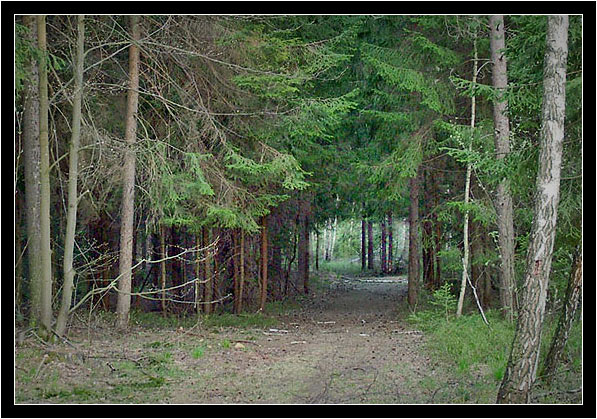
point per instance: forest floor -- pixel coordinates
(345, 344)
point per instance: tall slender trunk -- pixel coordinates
(383, 246)
(128, 181)
(73, 173)
(263, 296)
(428, 248)
(164, 255)
(241, 266)
(32, 157)
(317, 250)
(390, 243)
(44, 169)
(521, 369)
(560, 338)
(467, 186)
(334, 234)
(236, 272)
(413, 244)
(207, 272)
(503, 202)
(370, 245)
(363, 244)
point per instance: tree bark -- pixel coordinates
(32, 158)
(241, 267)
(164, 255)
(503, 202)
(44, 168)
(317, 251)
(363, 245)
(413, 244)
(560, 338)
(521, 369)
(128, 181)
(390, 244)
(207, 272)
(73, 173)
(264, 253)
(370, 245)
(383, 246)
(236, 272)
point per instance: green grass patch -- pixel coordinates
(341, 266)
(198, 352)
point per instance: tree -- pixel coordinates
(383, 247)
(467, 185)
(45, 308)
(413, 237)
(503, 200)
(370, 264)
(264, 253)
(128, 180)
(522, 364)
(31, 152)
(560, 338)
(73, 173)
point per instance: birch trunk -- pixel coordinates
(521, 369)
(467, 186)
(560, 338)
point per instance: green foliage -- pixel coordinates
(466, 342)
(198, 352)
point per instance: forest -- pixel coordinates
(298, 209)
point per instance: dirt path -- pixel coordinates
(344, 345)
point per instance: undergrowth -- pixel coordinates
(468, 344)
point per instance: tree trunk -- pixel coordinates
(363, 245)
(503, 203)
(560, 338)
(390, 244)
(317, 251)
(370, 245)
(128, 181)
(428, 248)
(207, 272)
(32, 157)
(241, 267)
(264, 253)
(44, 168)
(73, 173)
(413, 246)
(236, 272)
(467, 185)
(521, 369)
(383, 246)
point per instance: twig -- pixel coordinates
(41, 364)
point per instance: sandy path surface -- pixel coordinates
(343, 346)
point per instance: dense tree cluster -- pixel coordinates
(201, 164)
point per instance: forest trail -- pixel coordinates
(344, 344)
